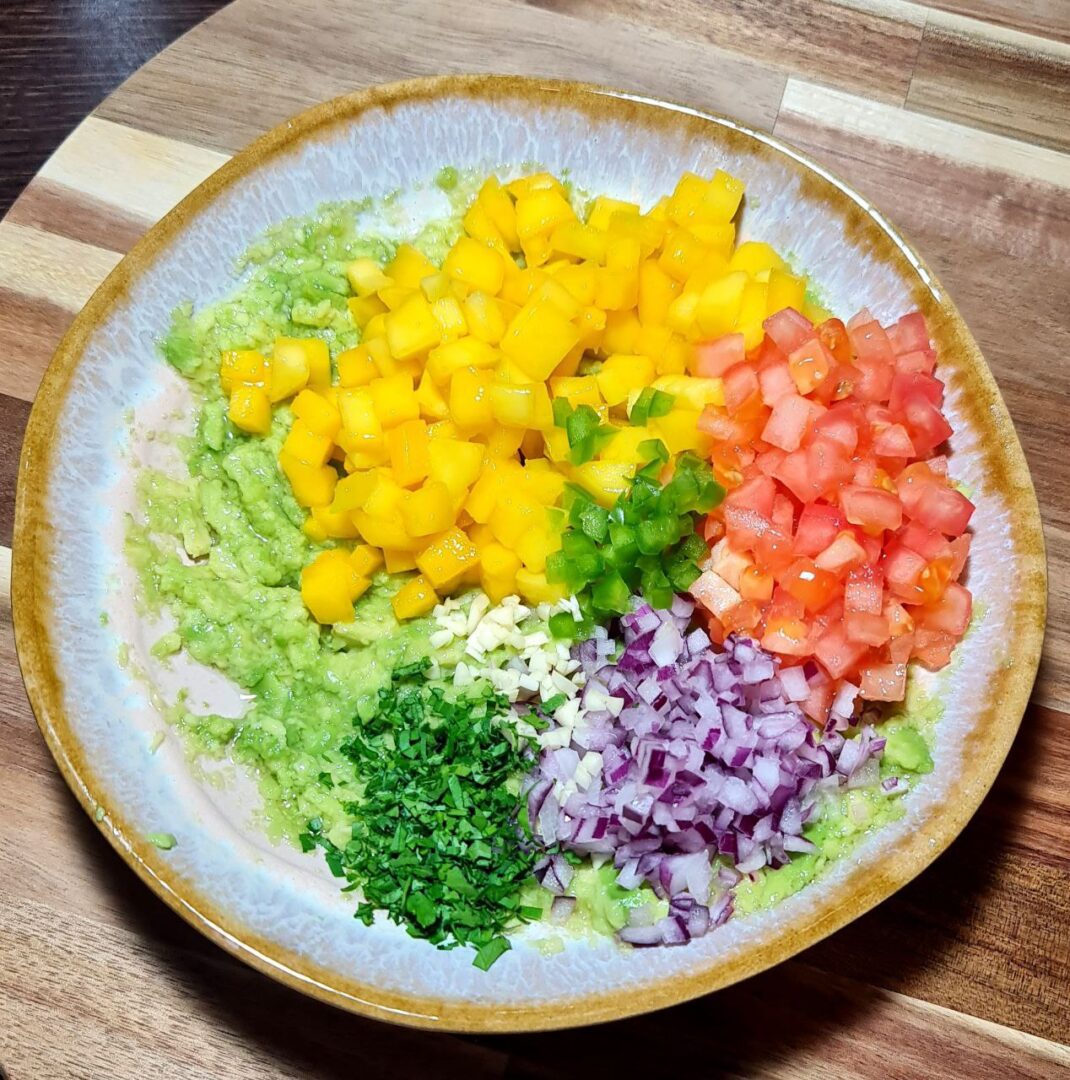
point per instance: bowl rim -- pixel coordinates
(984, 749)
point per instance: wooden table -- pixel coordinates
(955, 120)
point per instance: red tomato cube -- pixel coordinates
(909, 334)
(945, 509)
(866, 628)
(902, 571)
(833, 335)
(810, 365)
(927, 425)
(838, 654)
(809, 584)
(788, 329)
(904, 386)
(829, 465)
(872, 508)
(714, 358)
(844, 553)
(927, 542)
(740, 383)
(960, 552)
(884, 682)
(922, 361)
(819, 524)
(875, 379)
(951, 613)
(933, 648)
(775, 382)
(893, 441)
(788, 422)
(864, 591)
(871, 343)
(841, 424)
(757, 493)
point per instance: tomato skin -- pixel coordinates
(951, 613)
(775, 382)
(926, 423)
(923, 361)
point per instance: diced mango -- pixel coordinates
(752, 256)
(723, 196)
(412, 329)
(657, 290)
(318, 414)
(785, 290)
(410, 459)
(514, 515)
(366, 277)
(535, 589)
(484, 317)
(465, 352)
(336, 526)
(312, 485)
(329, 585)
(433, 406)
(620, 375)
(352, 491)
(456, 464)
(384, 533)
(576, 390)
(304, 445)
(538, 339)
(450, 318)
(498, 567)
(427, 510)
(475, 265)
(483, 497)
(250, 409)
(718, 308)
(546, 484)
(579, 240)
(536, 544)
(356, 367)
(409, 267)
(238, 366)
(447, 558)
(289, 374)
(416, 597)
(394, 400)
(470, 400)
(305, 352)
(691, 392)
(603, 208)
(679, 431)
(525, 406)
(366, 559)
(362, 309)
(604, 480)
(398, 560)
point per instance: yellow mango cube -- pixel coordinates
(500, 210)
(719, 238)
(469, 399)
(484, 317)
(557, 447)
(686, 199)
(456, 464)
(603, 208)
(447, 558)
(679, 431)
(465, 352)
(433, 406)
(503, 442)
(514, 515)
(752, 312)
(622, 374)
(580, 280)
(690, 391)
(329, 585)
(352, 491)
(483, 497)
(723, 196)
(647, 232)
(250, 409)
(545, 483)
(478, 224)
(540, 212)
(360, 421)
(681, 254)
(319, 414)
(523, 186)
(412, 329)
(576, 389)
(535, 545)
(657, 290)
(784, 290)
(242, 366)
(753, 256)
(475, 265)
(604, 480)
(384, 533)
(407, 444)
(394, 400)
(428, 509)
(416, 597)
(306, 352)
(616, 289)
(366, 559)
(366, 277)
(517, 406)
(362, 309)
(304, 445)
(288, 375)
(718, 307)
(409, 267)
(538, 339)
(579, 240)
(622, 328)
(450, 318)
(312, 485)
(336, 526)
(624, 446)
(535, 589)
(398, 560)
(498, 567)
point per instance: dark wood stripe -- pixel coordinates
(55, 208)
(13, 416)
(30, 330)
(1048, 18)
(1011, 87)
(805, 37)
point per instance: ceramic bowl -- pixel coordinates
(102, 718)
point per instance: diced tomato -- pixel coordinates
(817, 703)
(934, 579)
(873, 545)
(838, 654)
(866, 628)
(829, 465)
(810, 365)
(727, 429)
(911, 483)
(844, 553)
(875, 379)
(714, 358)
(743, 618)
(927, 542)
(909, 334)
(945, 509)
(788, 422)
(740, 383)
(901, 648)
(794, 473)
(872, 508)
(714, 593)
(811, 585)
(938, 465)
(841, 424)
(819, 524)
(756, 584)
(776, 382)
(712, 530)
(951, 613)
(789, 637)
(933, 648)
(744, 527)
(788, 329)
(902, 571)
(899, 619)
(840, 384)
(921, 361)
(756, 493)
(833, 335)
(893, 441)
(860, 319)
(904, 386)
(864, 591)
(960, 552)
(783, 516)
(768, 461)
(926, 423)
(884, 682)
(773, 550)
(871, 343)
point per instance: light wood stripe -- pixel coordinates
(894, 126)
(134, 171)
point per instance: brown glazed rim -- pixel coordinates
(984, 749)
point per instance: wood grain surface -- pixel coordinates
(954, 118)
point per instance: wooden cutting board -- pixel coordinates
(955, 120)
